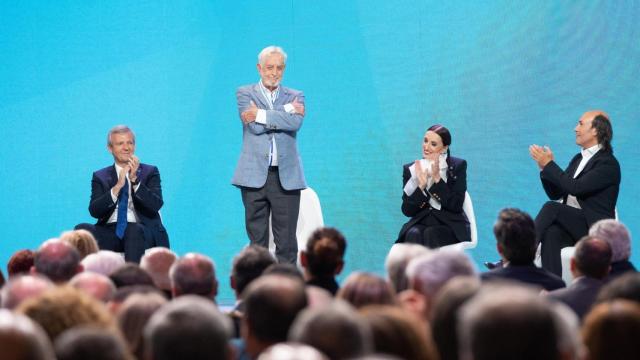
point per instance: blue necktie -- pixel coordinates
(123, 205)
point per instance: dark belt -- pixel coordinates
(273, 168)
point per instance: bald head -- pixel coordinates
(157, 262)
(23, 287)
(194, 274)
(592, 257)
(97, 285)
(57, 260)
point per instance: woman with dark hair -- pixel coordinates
(434, 191)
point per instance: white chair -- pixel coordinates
(467, 207)
(565, 259)
(309, 219)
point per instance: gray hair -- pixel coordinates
(291, 351)
(430, 272)
(616, 234)
(396, 263)
(103, 262)
(337, 330)
(24, 336)
(271, 50)
(120, 129)
(189, 327)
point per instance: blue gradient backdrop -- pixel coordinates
(500, 74)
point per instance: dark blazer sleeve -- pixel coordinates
(450, 194)
(414, 203)
(101, 205)
(603, 172)
(148, 197)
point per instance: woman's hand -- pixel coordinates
(422, 175)
(435, 167)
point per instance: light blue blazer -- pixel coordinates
(253, 164)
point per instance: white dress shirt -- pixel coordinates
(261, 117)
(131, 211)
(412, 184)
(587, 154)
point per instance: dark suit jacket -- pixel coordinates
(580, 295)
(529, 274)
(451, 197)
(620, 268)
(596, 187)
(147, 201)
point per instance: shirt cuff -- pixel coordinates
(289, 108)
(261, 116)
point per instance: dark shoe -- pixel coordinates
(493, 265)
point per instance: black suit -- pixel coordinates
(596, 189)
(580, 295)
(528, 274)
(450, 194)
(147, 201)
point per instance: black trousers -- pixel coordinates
(558, 226)
(283, 205)
(431, 233)
(132, 243)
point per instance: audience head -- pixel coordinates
(130, 274)
(396, 332)
(23, 339)
(445, 312)
(23, 287)
(611, 331)
(133, 316)
(103, 262)
(568, 331)
(627, 286)
(57, 260)
(323, 257)
(97, 285)
(284, 270)
(123, 293)
(362, 289)
(516, 236)
(248, 265)
(272, 302)
(188, 327)
(601, 124)
(336, 329)
(20, 262)
(291, 351)
(428, 273)
(81, 240)
(592, 258)
(616, 234)
(81, 343)
(397, 260)
(157, 262)
(194, 274)
(521, 319)
(64, 307)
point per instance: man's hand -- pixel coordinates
(298, 106)
(421, 174)
(115, 190)
(249, 115)
(134, 163)
(541, 155)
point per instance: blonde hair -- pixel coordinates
(81, 240)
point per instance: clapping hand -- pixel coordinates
(541, 155)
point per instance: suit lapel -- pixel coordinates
(261, 102)
(113, 176)
(589, 163)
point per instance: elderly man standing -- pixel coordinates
(269, 171)
(588, 188)
(126, 198)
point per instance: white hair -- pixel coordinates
(262, 56)
(103, 262)
(616, 234)
(428, 273)
(157, 261)
(396, 263)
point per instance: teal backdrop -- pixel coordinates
(500, 74)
